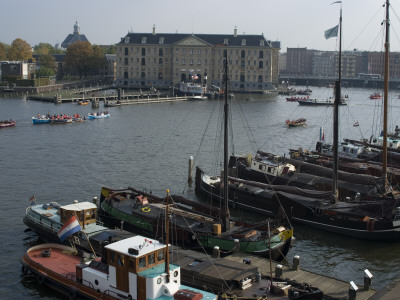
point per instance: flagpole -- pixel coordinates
(87, 238)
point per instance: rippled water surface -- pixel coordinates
(148, 146)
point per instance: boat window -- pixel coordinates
(112, 256)
(142, 262)
(160, 255)
(120, 259)
(132, 264)
(152, 258)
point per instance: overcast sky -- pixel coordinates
(295, 23)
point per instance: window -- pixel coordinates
(243, 42)
(191, 50)
(226, 42)
(160, 52)
(261, 54)
(126, 50)
(199, 61)
(143, 61)
(191, 61)
(261, 42)
(143, 51)
(152, 258)
(260, 65)
(120, 260)
(126, 75)
(199, 51)
(160, 255)
(160, 75)
(160, 61)
(126, 61)
(161, 41)
(260, 78)
(142, 262)
(127, 39)
(144, 39)
(183, 61)
(243, 54)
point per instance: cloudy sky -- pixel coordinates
(295, 23)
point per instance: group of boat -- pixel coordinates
(67, 119)
(7, 123)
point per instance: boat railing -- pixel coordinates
(72, 276)
(37, 220)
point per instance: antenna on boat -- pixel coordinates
(167, 236)
(226, 108)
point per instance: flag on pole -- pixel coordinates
(69, 228)
(332, 32)
(32, 200)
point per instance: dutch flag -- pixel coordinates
(69, 228)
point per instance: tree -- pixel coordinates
(112, 49)
(78, 57)
(4, 51)
(46, 48)
(45, 72)
(20, 50)
(47, 60)
(97, 60)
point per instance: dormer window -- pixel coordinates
(261, 42)
(161, 41)
(226, 41)
(244, 42)
(127, 40)
(144, 39)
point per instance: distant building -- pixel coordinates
(165, 59)
(74, 37)
(17, 69)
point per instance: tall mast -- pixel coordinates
(338, 93)
(385, 99)
(226, 106)
(167, 237)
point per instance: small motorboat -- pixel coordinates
(98, 115)
(41, 119)
(375, 96)
(83, 102)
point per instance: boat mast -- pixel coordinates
(226, 107)
(335, 192)
(385, 99)
(167, 237)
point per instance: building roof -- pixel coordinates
(211, 39)
(73, 38)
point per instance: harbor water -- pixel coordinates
(147, 146)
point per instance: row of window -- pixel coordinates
(141, 263)
(192, 51)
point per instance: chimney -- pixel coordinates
(235, 32)
(154, 29)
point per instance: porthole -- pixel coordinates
(159, 280)
(96, 282)
(175, 273)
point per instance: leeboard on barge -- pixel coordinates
(332, 288)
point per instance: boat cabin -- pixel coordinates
(135, 266)
(86, 212)
(274, 166)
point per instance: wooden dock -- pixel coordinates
(331, 287)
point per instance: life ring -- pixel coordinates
(24, 270)
(40, 279)
(146, 209)
(46, 253)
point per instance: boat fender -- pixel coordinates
(72, 293)
(146, 209)
(24, 270)
(40, 279)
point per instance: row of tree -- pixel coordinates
(81, 58)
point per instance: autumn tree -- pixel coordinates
(84, 59)
(77, 58)
(20, 50)
(46, 48)
(47, 61)
(4, 51)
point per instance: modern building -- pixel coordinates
(76, 36)
(163, 60)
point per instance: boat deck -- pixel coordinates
(59, 261)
